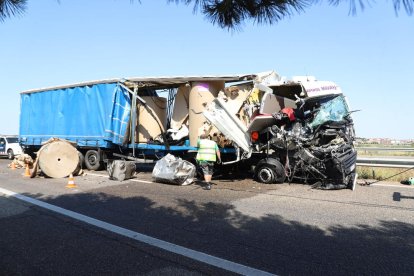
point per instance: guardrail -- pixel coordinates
(385, 162)
(383, 149)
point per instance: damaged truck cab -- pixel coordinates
(298, 130)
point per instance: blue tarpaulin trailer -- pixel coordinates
(91, 115)
(97, 116)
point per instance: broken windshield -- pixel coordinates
(333, 110)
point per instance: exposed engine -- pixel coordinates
(314, 147)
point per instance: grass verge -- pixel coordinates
(379, 173)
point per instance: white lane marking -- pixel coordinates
(132, 179)
(177, 249)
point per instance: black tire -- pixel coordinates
(93, 160)
(81, 159)
(80, 164)
(270, 170)
(10, 154)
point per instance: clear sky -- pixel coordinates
(371, 55)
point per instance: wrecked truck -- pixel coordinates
(298, 130)
(282, 129)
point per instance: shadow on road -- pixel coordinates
(270, 243)
(397, 196)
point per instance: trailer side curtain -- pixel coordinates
(117, 124)
(90, 115)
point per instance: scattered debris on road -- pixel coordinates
(20, 161)
(57, 158)
(173, 170)
(120, 169)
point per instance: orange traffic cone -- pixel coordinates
(27, 171)
(71, 182)
(13, 166)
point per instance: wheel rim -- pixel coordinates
(266, 175)
(92, 159)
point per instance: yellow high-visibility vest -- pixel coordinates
(206, 150)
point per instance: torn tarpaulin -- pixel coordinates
(174, 170)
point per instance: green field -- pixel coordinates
(380, 173)
(390, 174)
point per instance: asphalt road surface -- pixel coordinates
(138, 227)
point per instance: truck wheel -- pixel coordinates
(81, 159)
(10, 154)
(270, 170)
(92, 160)
(265, 174)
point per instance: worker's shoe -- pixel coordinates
(208, 186)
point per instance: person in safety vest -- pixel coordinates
(206, 157)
